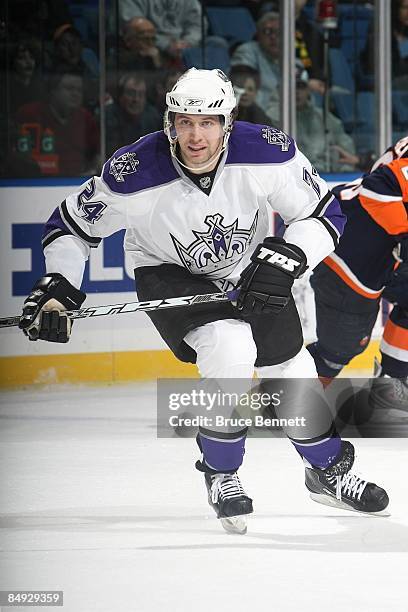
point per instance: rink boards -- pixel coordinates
(118, 348)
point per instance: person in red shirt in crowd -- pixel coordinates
(59, 133)
(70, 50)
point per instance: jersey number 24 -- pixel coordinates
(90, 211)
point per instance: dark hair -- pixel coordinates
(33, 45)
(240, 71)
(139, 76)
(59, 32)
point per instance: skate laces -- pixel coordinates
(401, 389)
(226, 486)
(397, 386)
(349, 485)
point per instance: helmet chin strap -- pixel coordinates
(212, 159)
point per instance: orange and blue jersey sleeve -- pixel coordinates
(384, 196)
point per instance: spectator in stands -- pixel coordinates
(246, 83)
(309, 41)
(263, 55)
(326, 152)
(69, 50)
(399, 46)
(178, 23)
(309, 48)
(138, 48)
(311, 138)
(24, 83)
(131, 116)
(61, 135)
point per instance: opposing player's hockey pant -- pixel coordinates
(344, 324)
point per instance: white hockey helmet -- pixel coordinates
(200, 92)
(400, 149)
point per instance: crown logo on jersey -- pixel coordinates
(218, 248)
(122, 165)
(276, 137)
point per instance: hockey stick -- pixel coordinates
(113, 309)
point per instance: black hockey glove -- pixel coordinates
(396, 291)
(42, 318)
(265, 285)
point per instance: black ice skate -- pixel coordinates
(229, 500)
(337, 486)
(227, 497)
(388, 392)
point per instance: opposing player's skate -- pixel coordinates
(227, 497)
(387, 392)
(338, 486)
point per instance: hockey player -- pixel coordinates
(370, 262)
(196, 201)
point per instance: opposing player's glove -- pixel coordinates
(396, 291)
(42, 318)
(265, 285)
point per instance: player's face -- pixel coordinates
(199, 138)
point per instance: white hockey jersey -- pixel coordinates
(168, 219)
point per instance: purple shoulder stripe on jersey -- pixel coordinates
(54, 228)
(382, 181)
(259, 144)
(335, 215)
(143, 164)
(329, 213)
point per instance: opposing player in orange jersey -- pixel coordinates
(370, 262)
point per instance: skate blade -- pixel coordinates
(336, 503)
(235, 524)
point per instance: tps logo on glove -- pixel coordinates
(266, 283)
(286, 263)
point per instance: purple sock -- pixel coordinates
(322, 454)
(222, 455)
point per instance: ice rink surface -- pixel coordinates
(92, 503)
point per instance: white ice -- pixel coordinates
(92, 503)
